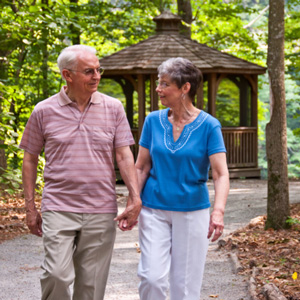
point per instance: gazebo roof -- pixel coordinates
(145, 56)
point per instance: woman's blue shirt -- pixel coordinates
(179, 172)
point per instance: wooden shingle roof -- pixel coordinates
(145, 56)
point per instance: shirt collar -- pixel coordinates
(96, 98)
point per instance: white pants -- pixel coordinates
(173, 245)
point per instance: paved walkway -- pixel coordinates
(20, 258)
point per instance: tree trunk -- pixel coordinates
(278, 208)
(45, 53)
(3, 163)
(185, 12)
(75, 31)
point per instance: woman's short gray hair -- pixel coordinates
(181, 70)
(67, 59)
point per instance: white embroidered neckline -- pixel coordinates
(185, 134)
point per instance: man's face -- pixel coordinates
(86, 78)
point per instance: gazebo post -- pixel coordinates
(244, 101)
(129, 105)
(253, 81)
(254, 110)
(141, 101)
(199, 103)
(153, 93)
(254, 121)
(212, 93)
(128, 89)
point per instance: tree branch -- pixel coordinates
(257, 18)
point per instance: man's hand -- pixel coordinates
(128, 219)
(34, 222)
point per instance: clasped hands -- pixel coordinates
(128, 219)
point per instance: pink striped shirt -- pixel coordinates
(79, 149)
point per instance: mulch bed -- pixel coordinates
(274, 254)
(13, 216)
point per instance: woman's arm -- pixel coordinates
(220, 176)
(143, 166)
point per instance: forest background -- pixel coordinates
(32, 34)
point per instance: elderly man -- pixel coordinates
(79, 130)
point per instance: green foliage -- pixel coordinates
(293, 140)
(292, 39)
(228, 104)
(113, 89)
(32, 34)
(292, 221)
(220, 24)
(11, 180)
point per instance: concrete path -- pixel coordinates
(20, 259)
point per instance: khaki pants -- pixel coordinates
(78, 248)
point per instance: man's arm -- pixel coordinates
(125, 162)
(29, 172)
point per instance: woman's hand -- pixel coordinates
(221, 184)
(216, 225)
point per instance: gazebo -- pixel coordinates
(135, 65)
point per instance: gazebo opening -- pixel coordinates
(228, 104)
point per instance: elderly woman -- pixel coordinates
(178, 145)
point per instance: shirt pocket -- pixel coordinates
(103, 138)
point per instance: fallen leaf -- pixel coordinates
(295, 276)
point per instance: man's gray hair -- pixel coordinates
(67, 59)
(180, 71)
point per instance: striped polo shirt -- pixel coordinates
(79, 149)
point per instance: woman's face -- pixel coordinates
(168, 92)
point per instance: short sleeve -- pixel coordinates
(33, 140)
(216, 141)
(123, 135)
(145, 136)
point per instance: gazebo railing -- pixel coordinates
(240, 142)
(241, 146)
